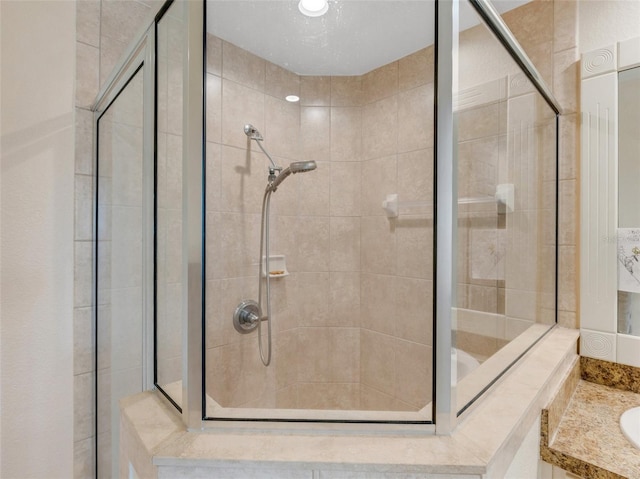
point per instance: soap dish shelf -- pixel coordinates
(277, 265)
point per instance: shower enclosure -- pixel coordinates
(391, 284)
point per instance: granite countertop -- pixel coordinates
(584, 436)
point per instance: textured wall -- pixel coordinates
(37, 233)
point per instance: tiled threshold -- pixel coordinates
(155, 442)
(580, 429)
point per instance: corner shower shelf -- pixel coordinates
(277, 265)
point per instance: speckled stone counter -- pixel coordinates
(582, 434)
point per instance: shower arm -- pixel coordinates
(273, 168)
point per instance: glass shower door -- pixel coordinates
(121, 266)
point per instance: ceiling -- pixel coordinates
(352, 38)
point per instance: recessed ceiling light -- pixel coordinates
(292, 98)
(313, 8)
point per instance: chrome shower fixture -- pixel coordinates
(293, 168)
(253, 134)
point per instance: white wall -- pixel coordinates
(604, 22)
(37, 65)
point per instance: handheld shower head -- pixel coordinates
(293, 168)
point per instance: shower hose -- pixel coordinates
(264, 269)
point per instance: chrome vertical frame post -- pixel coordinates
(148, 367)
(193, 214)
(445, 212)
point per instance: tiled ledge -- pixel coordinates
(580, 429)
(483, 445)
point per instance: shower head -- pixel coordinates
(302, 166)
(293, 168)
(252, 132)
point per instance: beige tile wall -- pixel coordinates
(366, 135)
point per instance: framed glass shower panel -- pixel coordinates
(122, 276)
(506, 234)
(352, 295)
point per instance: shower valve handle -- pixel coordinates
(246, 316)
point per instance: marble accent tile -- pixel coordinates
(416, 69)
(214, 55)
(615, 375)
(315, 133)
(346, 134)
(380, 83)
(315, 91)
(83, 406)
(83, 341)
(280, 82)
(243, 67)
(415, 118)
(346, 91)
(344, 244)
(87, 69)
(88, 22)
(380, 123)
(345, 189)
